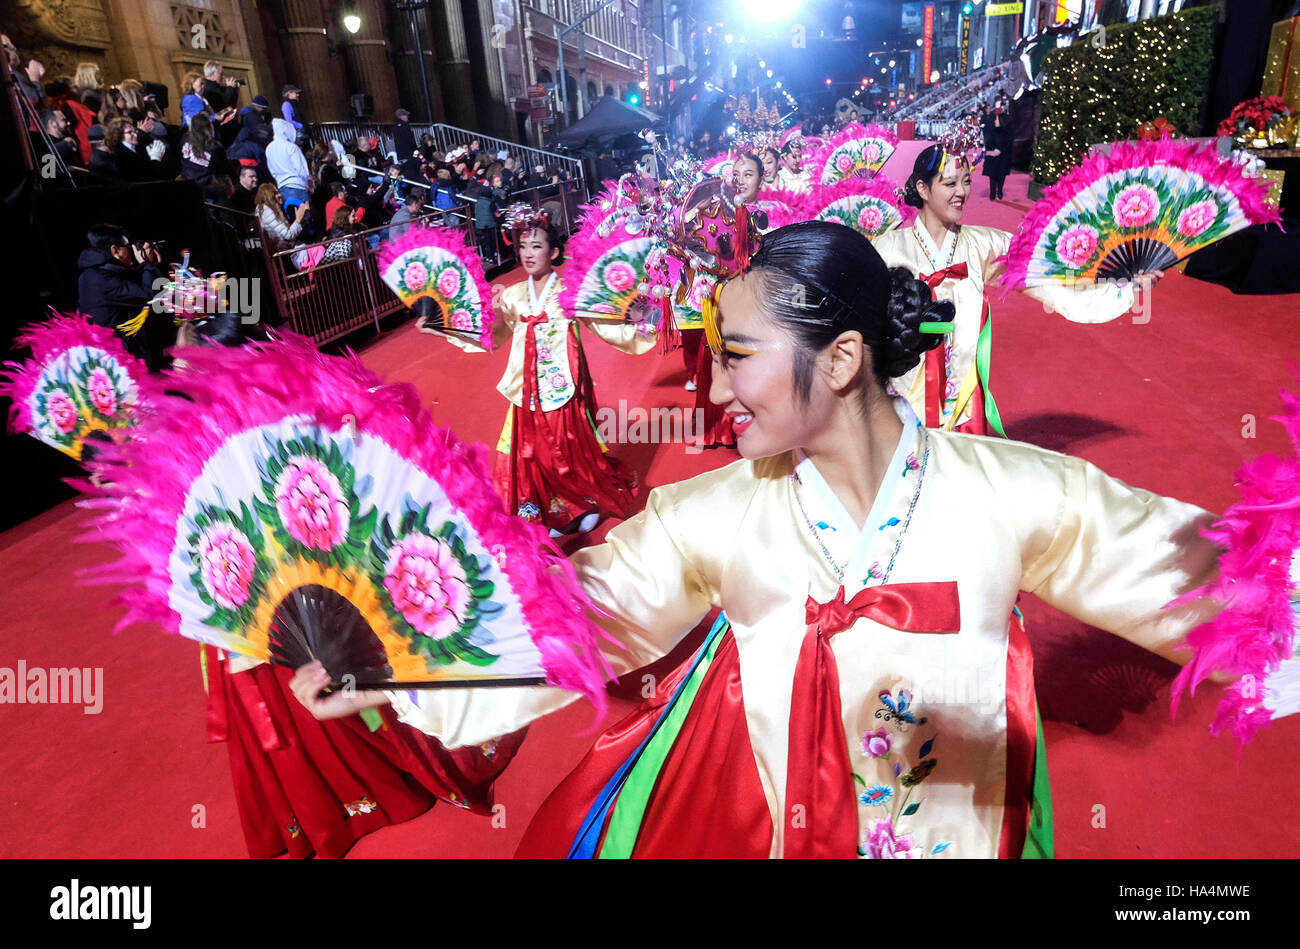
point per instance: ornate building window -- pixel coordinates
(211, 40)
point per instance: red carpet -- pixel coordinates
(1159, 404)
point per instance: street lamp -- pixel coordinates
(352, 23)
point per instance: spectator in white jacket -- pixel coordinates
(277, 231)
(288, 165)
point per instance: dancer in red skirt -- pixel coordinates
(552, 465)
(315, 788)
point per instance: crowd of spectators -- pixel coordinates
(958, 97)
(258, 160)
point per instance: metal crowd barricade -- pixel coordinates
(330, 300)
(564, 206)
(447, 137)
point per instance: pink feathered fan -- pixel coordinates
(79, 380)
(290, 506)
(441, 279)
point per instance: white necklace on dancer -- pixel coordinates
(927, 244)
(533, 298)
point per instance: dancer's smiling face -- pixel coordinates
(753, 377)
(945, 197)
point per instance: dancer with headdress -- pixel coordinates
(950, 389)
(551, 464)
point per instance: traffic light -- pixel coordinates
(968, 8)
(633, 98)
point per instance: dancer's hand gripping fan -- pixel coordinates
(441, 279)
(1255, 636)
(289, 506)
(1142, 207)
(79, 380)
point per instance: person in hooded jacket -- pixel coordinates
(288, 165)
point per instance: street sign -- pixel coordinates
(1003, 9)
(965, 45)
(927, 31)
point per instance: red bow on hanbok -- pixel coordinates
(956, 272)
(821, 818)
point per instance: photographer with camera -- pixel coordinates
(116, 282)
(221, 93)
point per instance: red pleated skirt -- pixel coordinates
(557, 470)
(311, 787)
(708, 800)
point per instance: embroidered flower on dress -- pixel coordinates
(876, 796)
(883, 844)
(876, 744)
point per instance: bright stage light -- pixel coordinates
(771, 11)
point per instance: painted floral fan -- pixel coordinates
(720, 166)
(289, 506)
(441, 279)
(870, 207)
(1145, 206)
(79, 380)
(1255, 637)
(605, 272)
(855, 151)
